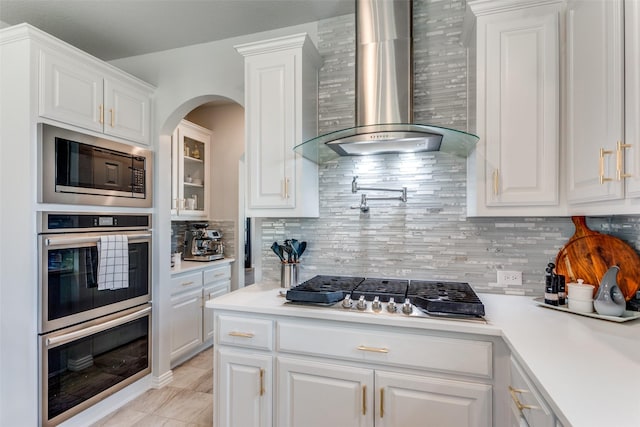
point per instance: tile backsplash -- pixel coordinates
(429, 236)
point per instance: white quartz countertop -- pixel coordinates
(587, 369)
(186, 266)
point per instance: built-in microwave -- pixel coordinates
(85, 170)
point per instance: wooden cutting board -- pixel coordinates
(589, 254)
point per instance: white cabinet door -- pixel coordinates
(186, 322)
(594, 99)
(70, 91)
(271, 131)
(76, 92)
(515, 169)
(191, 171)
(281, 86)
(314, 394)
(211, 292)
(127, 111)
(416, 401)
(243, 397)
(632, 96)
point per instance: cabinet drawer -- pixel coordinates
(243, 332)
(526, 398)
(466, 357)
(186, 281)
(222, 272)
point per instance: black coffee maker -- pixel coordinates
(201, 244)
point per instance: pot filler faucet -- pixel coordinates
(364, 199)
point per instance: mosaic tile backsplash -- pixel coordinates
(429, 236)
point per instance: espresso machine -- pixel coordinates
(201, 244)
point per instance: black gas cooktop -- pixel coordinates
(430, 296)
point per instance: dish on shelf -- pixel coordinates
(626, 316)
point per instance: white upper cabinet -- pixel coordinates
(632, 97)
(77, 91)
(595, 99)
(281, 87)
(515, 169)
(191, 171)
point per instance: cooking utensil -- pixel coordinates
(589, 254)
(301, 248)
(277, 249)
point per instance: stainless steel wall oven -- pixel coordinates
(93, 340)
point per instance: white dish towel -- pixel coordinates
(113, 262)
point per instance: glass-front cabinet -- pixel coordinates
(191, 164)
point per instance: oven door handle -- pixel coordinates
(93, 239)
(72, 336)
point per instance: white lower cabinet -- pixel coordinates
(357, 375)
(244, 388)
(315, 394)
(360, 397)
(191, 323)
(186, 322)
(413, 400)
(528, 408)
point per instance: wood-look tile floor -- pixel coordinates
(186, 402)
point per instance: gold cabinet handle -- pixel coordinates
(373, 349)
(496, 180)
(111, 113)
(101, 108)
(241, 334)
(186, 283)
(286, 188)
(514, 395)
(364, 400)
(603, 153)
(261, 382)
(620, 174)
(381, 402)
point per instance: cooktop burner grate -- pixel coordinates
(445, 297)
(383, 288)
(323, 289)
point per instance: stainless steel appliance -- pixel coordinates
(87, 170)
(415, 298)
(201, 244)
(83, 364)
(68, 291)
(92, 341)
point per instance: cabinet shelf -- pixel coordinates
(191, 184)
(193, 159)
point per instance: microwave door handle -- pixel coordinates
(80, 240)
(72, 336)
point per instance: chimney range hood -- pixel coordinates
(384, 93)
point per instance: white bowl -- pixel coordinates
(580, 290)
(581, 306)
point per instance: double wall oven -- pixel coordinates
(93, 341)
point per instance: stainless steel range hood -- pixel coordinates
(384, 92)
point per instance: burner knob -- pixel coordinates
(376, 305)
(391, 305)
(361, 304)
(347, 301)
(407, 308)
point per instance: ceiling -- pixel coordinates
(112, 29)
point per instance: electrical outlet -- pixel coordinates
(509, 277)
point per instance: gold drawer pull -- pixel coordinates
(603, 153)
(111, 112)
(241, 334)
(364, 400)
(381, 403)
(514, 392)
(373, 349)
(620, 174)
(261, 382)
(496, 182)
(186, 283)
(101, 107)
